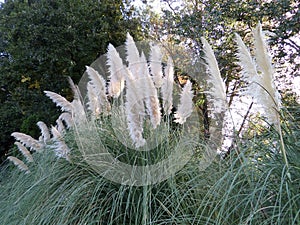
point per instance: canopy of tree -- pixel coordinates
(219, 20)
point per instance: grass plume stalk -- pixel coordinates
(185, 108)
(116, 69)
(259, 75)
(44, 131)
(134, 110)
(265, 64)
(97, 88)
(217, 90)
(150, 93)
(156, 65)
(167, 87)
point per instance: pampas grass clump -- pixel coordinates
(66, 183)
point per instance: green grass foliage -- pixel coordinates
(251, 186)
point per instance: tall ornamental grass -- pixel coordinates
(62, 177)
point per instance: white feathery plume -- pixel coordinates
(78, 114)
(263, 58)
(185, 108)
(93, 103)
(156, 65)
(28, 141)
(20, 164)
(99, 85)
(60, 147)
(134, 108)
(133, 56)
(150, 93)
(97, 81)
(116, 69)
(74, 88)
(44, 130)
(67, 118)
(167, 87)
(218, 91)
(60, 101)
(60, 126)
(77, 108)
(56, 135)
(269, 97)
(249, 71)
(24, 152)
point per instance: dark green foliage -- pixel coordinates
(43, 42)
(10, 119)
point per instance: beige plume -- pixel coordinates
(249, 71)
(269, 96)
(44, 130)
(60, 126)
(185, 108)
(93, 103)
(133, 56)
(150, 93)
(24, 152)
(28, 141)
(156, 65)
(20, 164)
(116, 69)
(78, 113)
(67, 118)
(217, 85)
(60, 147)
(60, 101)
(99, 86)
(135, 111)
(74, 88)
(167, 87)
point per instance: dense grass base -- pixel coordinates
(251, 186)
(237, 191)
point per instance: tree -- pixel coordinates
(43, 42)
(218, 21)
